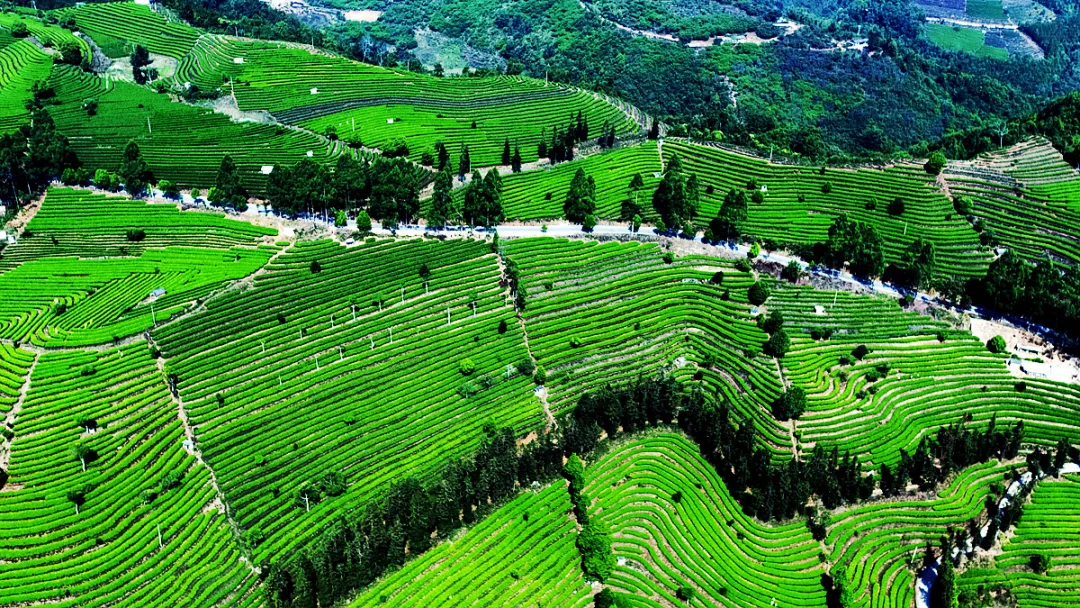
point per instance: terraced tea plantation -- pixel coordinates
(800, 203)
(1013, 191)
(347, 353)
(522, 555)
(592, 307)
(538, 195)
(141, 524)
(85, 282)
(374, 105)
(934, 376)
(166, 130)
(296, 409)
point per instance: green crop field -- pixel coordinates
(346, 353)
(375, 105)
(930, 383)
(109, 551)
(295, 409)
(166, 130)
(117, 26)
(523, 555)
(985, 9)
(534, 195)
(102, 280)
(963, 39)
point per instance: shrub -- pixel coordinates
(136, 235)
(605, 599)
(588, 223)
(791, 272)
(315, 266)
(466, 366)
(778, 344)
(502, 326)
(996, 345)
(1020, 386)
(717, 277)
(540, 377)
(758, 293)
(826, 188)
(526, 367)
(772, 323)
(685, 593)
(860, 352)
(363, 222)
(1039, 563)
(936, 163)
(896, 207)
(790, 405)
(594, 543)
(669, 258)
(574, 341)
(743, 265)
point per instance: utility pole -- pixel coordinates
(448, 316)
(391, 335)
(159, 543)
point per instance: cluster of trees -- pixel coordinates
(916, 268)
(1046, 292)
(850, 242)
(676, 198)
(561, 146)
(952, 448)
(482, 199)
(778, 343)
(512, 160)
(228, 190)
(389, 189)
(766, 490)
(594, 540)
(31, 156)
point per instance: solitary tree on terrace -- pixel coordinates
(133, 170)
(77, 497)
(83, 453)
